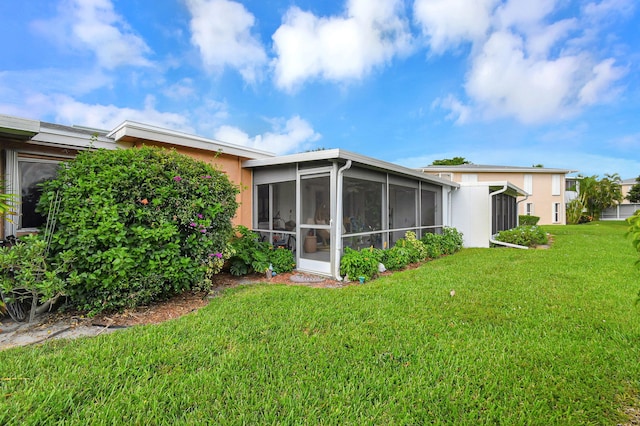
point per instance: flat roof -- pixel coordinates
(493, 169)
(340, 154)
(131, 131)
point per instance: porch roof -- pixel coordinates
(343, 156)
(511, 189)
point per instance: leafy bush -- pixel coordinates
(26, 275)
(449, 242)
(397, 257)
(281, 260)
(138, 224)
(523, 236)
(363, 263)
(249, 253)
(528, 220)
(452, 240)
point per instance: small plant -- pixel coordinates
(362, 263)
(528, 220)
(281, 260)
(249, 253)
(451, 240)
(27, 277)
(528, 236)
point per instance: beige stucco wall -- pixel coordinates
(543, 201)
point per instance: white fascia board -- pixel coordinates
(19, 126)
(172, 137)
(66, 137)
(338, 154)
(497, 184)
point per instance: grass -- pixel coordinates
(530, 337)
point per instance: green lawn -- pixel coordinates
(535, 337)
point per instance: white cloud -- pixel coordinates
(221, 29)
(287, 136)
(598, 88)
(527, 66)
(504, 82)
(339, 48)
(459, 112)
(607, 8)
(181, 90)
(449, 23)
(94, 25)
(523, 14)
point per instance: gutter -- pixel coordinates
(491, 239)
(338, 234)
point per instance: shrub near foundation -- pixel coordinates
(140, 224)
(528, 236)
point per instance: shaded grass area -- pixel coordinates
(530, 337)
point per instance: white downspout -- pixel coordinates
(526, 197)
(338, 235)
(491, 239)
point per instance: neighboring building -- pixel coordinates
(626, 208)
(546, 187)
(626, 186)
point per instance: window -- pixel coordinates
(277, 206)
(529, 209)
(276, 213)
(528, 183)
(31, 173)
(555, 185)
(362, 212)
(402, 209)
(556, 212)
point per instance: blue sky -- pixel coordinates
(503, 82)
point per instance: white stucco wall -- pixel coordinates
(470, 212)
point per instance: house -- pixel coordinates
(31, 150)
(314, 203)
(545, 187)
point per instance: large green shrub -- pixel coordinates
(139, 224)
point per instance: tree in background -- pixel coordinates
(634, 192)
(455, 161)
(599, 194)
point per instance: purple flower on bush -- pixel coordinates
(203, 230)
(200, 216)
(218, 255)
(193, 224)
(206, 177)
(177, 178)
